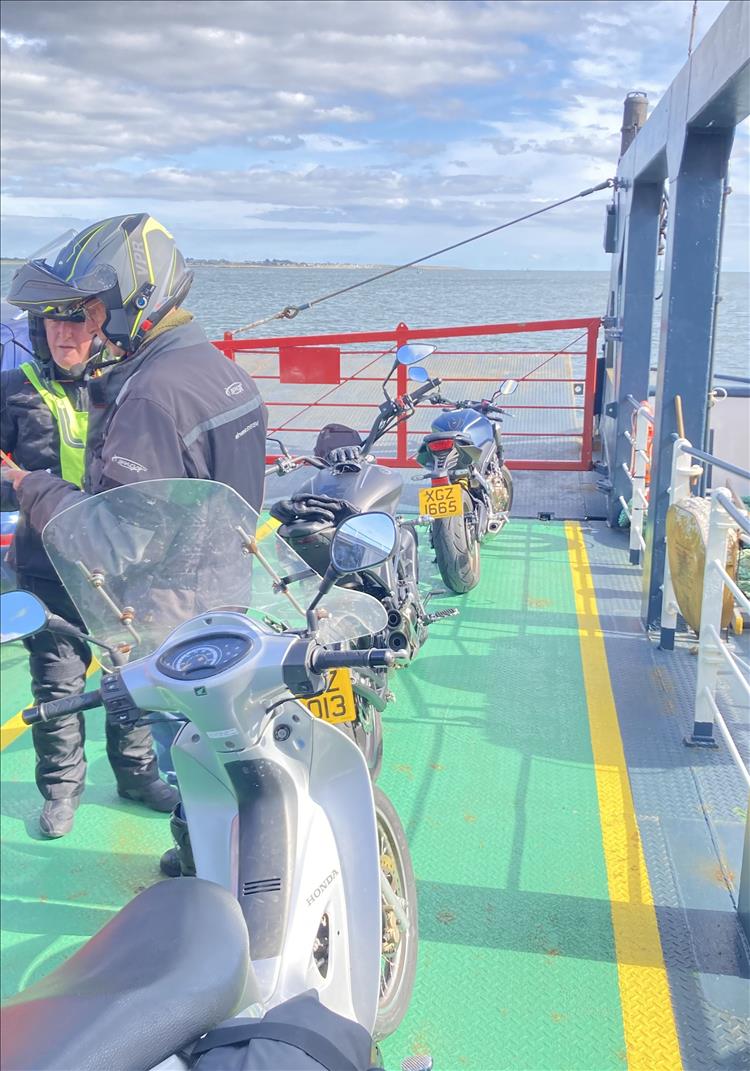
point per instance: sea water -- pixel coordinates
(225, 298)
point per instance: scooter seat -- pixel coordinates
(169, 966)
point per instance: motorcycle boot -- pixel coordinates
(157, 795)
(178, 862)
(57, 816)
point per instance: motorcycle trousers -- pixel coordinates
(58, 666)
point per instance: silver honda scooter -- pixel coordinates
(279, 804)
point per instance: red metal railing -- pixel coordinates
(307, 360)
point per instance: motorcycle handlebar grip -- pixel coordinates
(375, 658)
(421, 391)
(58, 708)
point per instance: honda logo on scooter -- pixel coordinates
(322, 887)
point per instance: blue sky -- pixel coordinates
(363, 132)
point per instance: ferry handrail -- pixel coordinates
(638, 406)
(737, 516)
(728, 740)
(712, 650)
(638, 478)
(711, 459)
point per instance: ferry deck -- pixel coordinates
(582, 900)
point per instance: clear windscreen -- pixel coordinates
(139, 560)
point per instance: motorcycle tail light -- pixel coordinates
(438, 445)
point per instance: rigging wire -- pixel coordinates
(290, 311)
(692, 27)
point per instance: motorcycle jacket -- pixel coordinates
(177, 408)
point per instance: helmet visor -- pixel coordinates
(36, 288)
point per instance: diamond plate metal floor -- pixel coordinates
(491, 762)
(690, 806)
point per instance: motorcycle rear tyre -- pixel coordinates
(457, 550)
(393, 1006)
(508, 480)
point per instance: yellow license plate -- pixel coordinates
(443, 501)
(337, 703)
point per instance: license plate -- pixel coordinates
(443, 501)
(337, 703)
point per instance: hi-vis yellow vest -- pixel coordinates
(71, 424)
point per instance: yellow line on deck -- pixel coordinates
(648, 1018)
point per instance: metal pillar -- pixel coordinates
(690, 281)
(637, 304)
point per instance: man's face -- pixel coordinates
(96, 315)
(69, 342)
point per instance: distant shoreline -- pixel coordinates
(300, 265)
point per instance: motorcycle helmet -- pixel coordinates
(130, 263)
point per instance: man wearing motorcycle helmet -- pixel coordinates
(169, 404)
(43, 423)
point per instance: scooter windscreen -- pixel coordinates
(139, 560)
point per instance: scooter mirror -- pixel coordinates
(21, 615)
(508, 386)
(413, 352)
(362, 542)
(419, 374)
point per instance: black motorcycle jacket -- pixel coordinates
(30, 433)
(178, 408)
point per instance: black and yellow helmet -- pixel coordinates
(130, 263)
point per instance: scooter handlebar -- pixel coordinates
(375, 658)
(58, 708)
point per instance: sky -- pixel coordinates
(357, 131)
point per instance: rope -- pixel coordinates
(290, 311)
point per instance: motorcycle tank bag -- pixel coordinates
(298, 1035)
(334, 436)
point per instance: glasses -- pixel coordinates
(72, 314)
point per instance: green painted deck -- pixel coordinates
(526, 961)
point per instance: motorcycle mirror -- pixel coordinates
(358, 543)
(362, 542)
(508, 386)
(21, 615)
(282, 449)
(413, 352)
(419, 374)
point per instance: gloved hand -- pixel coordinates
(344, 455)
(310, 507)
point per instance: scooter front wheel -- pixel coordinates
(400, 922)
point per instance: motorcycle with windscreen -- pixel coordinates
(302, 919)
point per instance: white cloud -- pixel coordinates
(375, 117)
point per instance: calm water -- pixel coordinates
(226, 298)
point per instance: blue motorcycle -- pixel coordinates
(471, 489)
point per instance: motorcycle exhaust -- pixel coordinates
(496, 523)
(395, 620)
